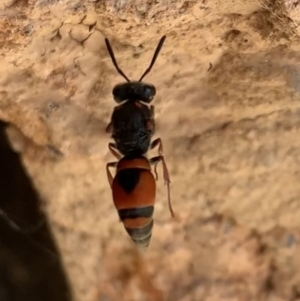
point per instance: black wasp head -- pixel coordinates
(134, 91)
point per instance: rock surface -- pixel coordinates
(227, 110)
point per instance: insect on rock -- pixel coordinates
(132, 127)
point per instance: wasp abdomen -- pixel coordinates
(141, 236)
(138, 223)
(128, 179)
(134, 213)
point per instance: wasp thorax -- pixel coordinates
(134, 91)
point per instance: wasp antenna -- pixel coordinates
(112, 56)
(158, 48)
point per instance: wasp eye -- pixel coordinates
(148, 92)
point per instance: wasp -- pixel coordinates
(132, 127)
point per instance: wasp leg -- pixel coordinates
(155, 168)
(158, 142)
(155, 143)
(152, 119)
(109, 175)
(156, 160)
(113, 149)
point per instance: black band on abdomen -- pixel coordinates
(136, 212)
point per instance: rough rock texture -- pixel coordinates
(227, 110)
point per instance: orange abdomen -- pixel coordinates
(134, 192)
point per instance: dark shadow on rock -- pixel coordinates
(30, 263)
